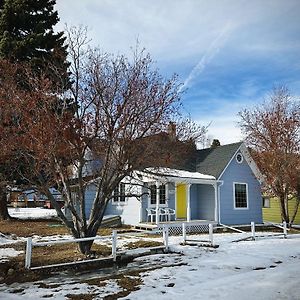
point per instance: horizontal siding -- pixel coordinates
(129, 210)
(272, 213)
(242, 173)
(206, 202)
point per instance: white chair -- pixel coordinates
(163, 214)
(169, 212)
(151, 213)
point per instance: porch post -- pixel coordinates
(188, 206)
(157, 203)
(216, 201)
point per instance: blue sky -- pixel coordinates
(228, 53)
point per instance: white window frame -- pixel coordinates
(150, 205)
(118, 202)
(236, 157)
(263, 200)
(247, 196)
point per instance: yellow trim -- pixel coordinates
(181, 201)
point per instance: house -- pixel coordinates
(221, 185)
(271, 210)
(32, 198)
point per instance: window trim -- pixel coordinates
(150, 205)
(236, 158)
(118, 202)
(247, 196)
(263, 201)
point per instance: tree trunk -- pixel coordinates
(283, 206)
(297, 204)
(85, 247)
(4, 215)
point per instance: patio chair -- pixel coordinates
(163, 214)
(169, 212)
(151, 213)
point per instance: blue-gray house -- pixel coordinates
(222, 186)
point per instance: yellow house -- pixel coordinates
(271, 210)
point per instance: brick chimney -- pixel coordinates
(172, 130)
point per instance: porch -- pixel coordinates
(179, 196)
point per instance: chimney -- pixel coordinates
(172, 130)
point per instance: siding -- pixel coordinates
(242, 173)
(272, 213)
(206, 202)
(90, 193)
(129, 211)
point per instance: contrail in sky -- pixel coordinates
(208, 55)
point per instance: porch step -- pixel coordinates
(145, 227)
(111, 221)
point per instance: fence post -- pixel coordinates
(284, 229)
(166, 237)
(184, 232)
(253, 230)
(28, 253)
(114, 245)
(211, 231)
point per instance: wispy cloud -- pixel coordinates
(209, 54)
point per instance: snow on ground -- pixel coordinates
(8, 252)
(32, 213)
(263, 269)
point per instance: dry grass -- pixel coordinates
(26, 228)
(143, 244)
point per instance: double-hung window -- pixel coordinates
(162, 194)
(119, 194)
(240, 195)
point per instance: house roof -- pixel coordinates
(213, 161)
(175, 175)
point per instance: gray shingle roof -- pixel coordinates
(212, 161)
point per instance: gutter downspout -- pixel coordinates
(219, 205)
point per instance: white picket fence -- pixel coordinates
(113, 239)
(187, 240)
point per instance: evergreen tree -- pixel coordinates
(26, 35)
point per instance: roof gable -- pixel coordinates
(213, 161)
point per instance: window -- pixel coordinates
(240, 195)
(239, 158)
(119, 193)
(162, 194)
(266, 202)
(75, 194)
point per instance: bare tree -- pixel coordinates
(8, 130)
(273, 132)
(120, 123)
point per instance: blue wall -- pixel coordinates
(206, 203)
(242, 173)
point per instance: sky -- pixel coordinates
(228, 54)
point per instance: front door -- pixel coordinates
(181, 201)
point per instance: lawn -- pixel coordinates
(267, 268)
